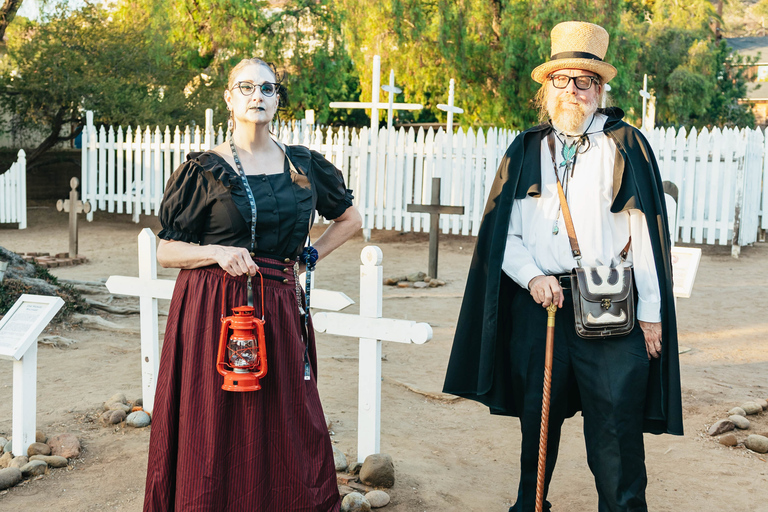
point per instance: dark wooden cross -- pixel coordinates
(434, 210)
(73, 206)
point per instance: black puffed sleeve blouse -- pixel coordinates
(205, 202)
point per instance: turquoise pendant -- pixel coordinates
(555, 228)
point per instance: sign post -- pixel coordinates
(19, 330)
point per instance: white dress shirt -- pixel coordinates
(533, 250)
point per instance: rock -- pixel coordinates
(339, 459)
(427, 279)
(3, 441)
(420, 284)
(7, 447)
(751, 407)
(403, 284)
(40, 437)
(65, 445)
(416, 276)
(113, 417)
(138, 419)
(378, 471)
(38, 449)
(117, 406)
(5, 460)
(720, 427)
(729, 440)
(435, 283)
(9, 477)
(739, 421)
(33, 468)
(345, 489)
(355, 502)
(54, 461)
(354, 468)
(757, 443)
(377, 499)
(18, 462)
(117, 397)
(762, 403)
(390, 281)
(139, 402)
(737, 410)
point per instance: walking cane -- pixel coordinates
(550, 349)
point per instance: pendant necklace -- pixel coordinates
(569, 152)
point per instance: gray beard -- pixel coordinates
(570, 120)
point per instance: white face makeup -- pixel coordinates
(256, 108)
(570, 108)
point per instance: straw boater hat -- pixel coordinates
(577, 45)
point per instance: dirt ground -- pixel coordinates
(449, 456)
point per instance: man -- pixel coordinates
(624, 385)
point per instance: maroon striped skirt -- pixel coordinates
(216, 450)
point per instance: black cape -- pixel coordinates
(478, 367)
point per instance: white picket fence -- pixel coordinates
(125, 171)
(721, 178)
(13, 193)
(719, 174)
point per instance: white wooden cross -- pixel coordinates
(19, 330)
(646, 97)
(149, 288)
(372, 330)
(374, 105)
(450, 108)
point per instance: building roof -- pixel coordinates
(754, 47)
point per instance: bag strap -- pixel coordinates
(567, 213)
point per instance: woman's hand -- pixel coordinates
(236, 261)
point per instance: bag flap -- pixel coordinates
(597, 283)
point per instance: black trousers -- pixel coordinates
(608, 376)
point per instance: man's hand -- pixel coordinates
(652, 333)
(545, 290)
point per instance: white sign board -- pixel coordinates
(19, 330)
(685, 264)
(22, 324)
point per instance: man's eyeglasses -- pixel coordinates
(268, 89)
(582, 82)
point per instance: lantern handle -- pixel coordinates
(224, 295)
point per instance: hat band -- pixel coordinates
(575, 55)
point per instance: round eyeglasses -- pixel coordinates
(582, 83)
(268, 89)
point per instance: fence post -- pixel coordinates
(22, 181)
(88, 181)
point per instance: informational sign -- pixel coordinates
(19, 330)
(685, 264)
(22, 324)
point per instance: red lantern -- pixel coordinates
(242, 357)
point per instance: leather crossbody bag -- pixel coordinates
(603, 297)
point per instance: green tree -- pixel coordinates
(695, 78)
(81, 60)
(489, 47)
(301, 37)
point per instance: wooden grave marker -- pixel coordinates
(73, 206)
(149, 289)
(371, 329)
(434, 210)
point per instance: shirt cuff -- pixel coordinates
(648, 311)
(527, 273)
(181, 236)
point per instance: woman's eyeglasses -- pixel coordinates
(268, 89)
(582, 82)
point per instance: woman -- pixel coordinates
(265, 450)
